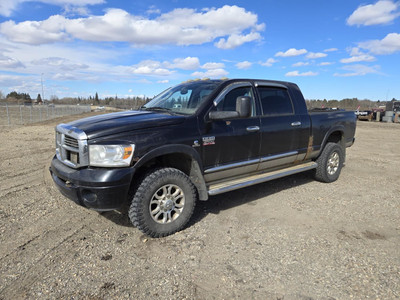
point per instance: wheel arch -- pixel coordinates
(335, 135)
(181, 157)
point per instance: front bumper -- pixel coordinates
(96, 188)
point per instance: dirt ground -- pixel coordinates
(292, 238)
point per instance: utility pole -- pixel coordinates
(41, 80)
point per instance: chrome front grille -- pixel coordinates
(71, 142)
(71, 146)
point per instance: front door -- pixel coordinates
(231, 146)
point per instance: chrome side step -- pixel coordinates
(235, 184)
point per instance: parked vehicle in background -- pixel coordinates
(365, 115)
(193, 141)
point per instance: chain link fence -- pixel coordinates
(11, 115)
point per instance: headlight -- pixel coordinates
(110, 155)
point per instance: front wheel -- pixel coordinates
(330, 163)
(163, 203)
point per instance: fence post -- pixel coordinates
(8, 115)
(20, 114)
(40, 113)
(30, 114)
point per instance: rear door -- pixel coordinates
(281, 128)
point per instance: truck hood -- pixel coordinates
(114, 123)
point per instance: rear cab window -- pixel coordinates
(275, 101)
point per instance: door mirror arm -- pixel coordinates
(222, 115)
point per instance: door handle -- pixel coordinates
(253, 128)
(294, 124)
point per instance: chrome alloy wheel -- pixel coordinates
(333, 163)
(167, 204)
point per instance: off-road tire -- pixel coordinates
(146, 202)
(330, 163)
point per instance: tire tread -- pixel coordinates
(136, 210)
(321, 173)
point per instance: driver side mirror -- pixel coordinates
(243, 110)
(243, 106)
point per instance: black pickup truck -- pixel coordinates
(193, 141)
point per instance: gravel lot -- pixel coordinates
(292, 238)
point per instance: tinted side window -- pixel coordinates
(229, 101)
(275, 101)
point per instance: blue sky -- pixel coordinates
(331, 49)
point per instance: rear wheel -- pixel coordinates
(330, 163)
(163, 203)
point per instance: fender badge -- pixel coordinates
(208, 140)
(196, 143)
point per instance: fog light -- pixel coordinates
(89, 197)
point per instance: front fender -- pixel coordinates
(170, 149)
(196, 169)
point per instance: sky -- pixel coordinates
(74, 48)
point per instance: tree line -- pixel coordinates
(347, 104)
(135, 102)
(124, 103)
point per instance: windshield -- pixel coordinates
(185, 98)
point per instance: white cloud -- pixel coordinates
(213, 73)
(66, 77)
(149, 67)
(35, 32)
(382, 12)
(181, 26)
(188, 63)
(157, 68)
(325, 63)
(355, 51)
(59, 63)
(20, 83)
(77, 52)
(388, 45)
(313, 55)
(10, 63)
(357, 56)
(331, 50)
(297, 74)
(358, 70)
(8, 6)
(292, 52)
(153, 10)
(11, 80)
(163, 81)
(236, 40)
(269, 62)
(244, 65)
(213, 65)
(73, 10)
(300, 64)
